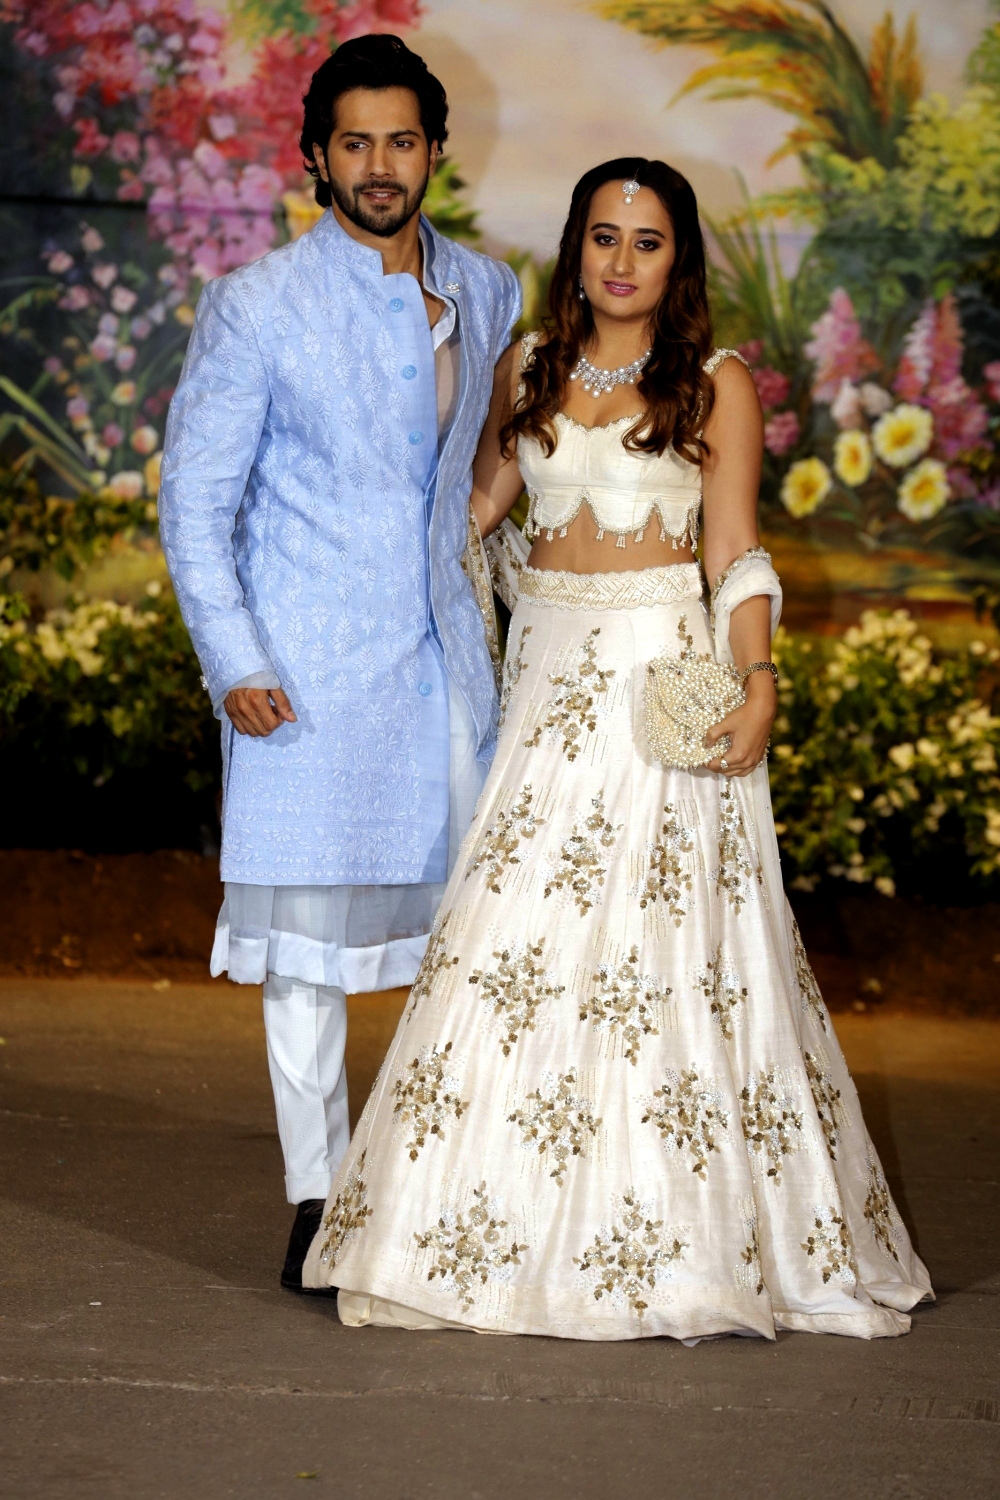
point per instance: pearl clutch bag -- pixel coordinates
(685, 696)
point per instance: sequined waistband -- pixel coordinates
(631, 590)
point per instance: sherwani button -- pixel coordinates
(452, 286)
(397, 304)
(425, 689)
(416, 437)
(409, 372)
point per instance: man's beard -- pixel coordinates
(384, 222)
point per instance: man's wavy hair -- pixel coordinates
(677, 393)
(368, 62)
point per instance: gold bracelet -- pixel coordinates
(759, 666)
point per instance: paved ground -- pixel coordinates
(147, 1352)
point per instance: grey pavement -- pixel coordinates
(146, 1350)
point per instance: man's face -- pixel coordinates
(377, 161)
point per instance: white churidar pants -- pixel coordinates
(306, 1024)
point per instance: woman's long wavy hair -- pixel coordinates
(677, 393)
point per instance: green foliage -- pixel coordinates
(799, 58)
(98, 687)
(535, 278)
(753, 297)
(883, 750)
(48, 531)
(445, 206)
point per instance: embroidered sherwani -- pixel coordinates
(315, 534)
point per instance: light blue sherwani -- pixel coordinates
(312, 530)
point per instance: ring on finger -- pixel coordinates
(724, 763)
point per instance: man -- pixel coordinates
(314, 514)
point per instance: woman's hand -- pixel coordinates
(749, 726)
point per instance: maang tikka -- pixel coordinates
(630, 189)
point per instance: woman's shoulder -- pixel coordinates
(718, 358)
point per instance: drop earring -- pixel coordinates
(581, 294)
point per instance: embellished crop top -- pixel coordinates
(592, 466)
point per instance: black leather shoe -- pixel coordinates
(308, 1218)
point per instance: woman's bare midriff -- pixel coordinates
(579, 551)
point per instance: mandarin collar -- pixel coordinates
(332, 239)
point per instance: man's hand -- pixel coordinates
(258, 711)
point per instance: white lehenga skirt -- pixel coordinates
(615, 1106)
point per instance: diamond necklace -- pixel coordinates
(599, 382)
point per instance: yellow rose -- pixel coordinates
(151, 473)
(127, 485)
(184, 315)
(124, 393)
(805, 486)
(144, 439)
(924, 490)
(852, 457)
(902, 435)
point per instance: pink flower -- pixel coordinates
(75, 300)
(752, 351)
(60, 263)
(113, 435)
(959, 419)
(123, 300)
(90, 140)
(772, 386)
(107, 323)
(52, 365)
(990, 496)
(932, 350)
(104, 274)
(781, 433)
(837, 348)
(77, 408)
(125, 358)
(846, 408)
(103, 347)
(141, 328)
(125, 146)
(92, 241)
(991, 374)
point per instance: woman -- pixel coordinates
(615, 1106)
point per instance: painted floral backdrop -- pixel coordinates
(148, 146)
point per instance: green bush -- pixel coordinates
(882, 752)
(98, 687)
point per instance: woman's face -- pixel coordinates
(628, 252)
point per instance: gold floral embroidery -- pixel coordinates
(826, 1098)
(749, 1274)
(879, 1208)
(348, 1214)
(628, 1257)
(735, 869)
(570, 709)
(769, 1121)
(469, 1248)
(517, 989)
(580, 868)
(830, 1241)
(513, 667)
(625, 1003)
(720, 983)
(688, 1115)
(809, 993)
(668, 878)
(435, 960)
(426, 1095)
(498, 845)
(557, 1122)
